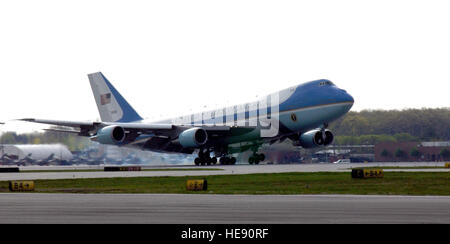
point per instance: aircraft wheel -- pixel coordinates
(207, 160)
(197, 161)
(261, 157)
(251, 160)
(214, 160)
(227, 161)
(232, 160)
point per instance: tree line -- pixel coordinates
(372, 126)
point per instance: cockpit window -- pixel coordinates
(326, 83)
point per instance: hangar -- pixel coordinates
(36, 152)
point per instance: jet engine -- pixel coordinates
(193, 137)
(316, 138)
(112, 134)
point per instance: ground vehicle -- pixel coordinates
(342, 161)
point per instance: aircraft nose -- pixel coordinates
(346, 97)
(349, 98)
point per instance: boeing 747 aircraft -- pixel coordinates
(300, 113)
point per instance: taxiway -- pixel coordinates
(221, 209)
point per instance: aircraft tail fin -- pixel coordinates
(111, 105)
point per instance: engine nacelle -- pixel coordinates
(315, 138)
(112, 134)
(194, 137)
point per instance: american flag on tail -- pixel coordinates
(105, 98)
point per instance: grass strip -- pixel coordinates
(393, 183)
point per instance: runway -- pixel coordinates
(28, 174)
(221, 209)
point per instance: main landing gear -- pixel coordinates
(256, 158)
(212, 161)
(227, 160)
(205, 159)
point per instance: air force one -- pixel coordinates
(300, 113)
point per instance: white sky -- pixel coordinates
(169, 58)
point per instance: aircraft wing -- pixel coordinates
(85, 128)
(60, 122)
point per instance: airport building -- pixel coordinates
(36, 152)
(412, 151)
